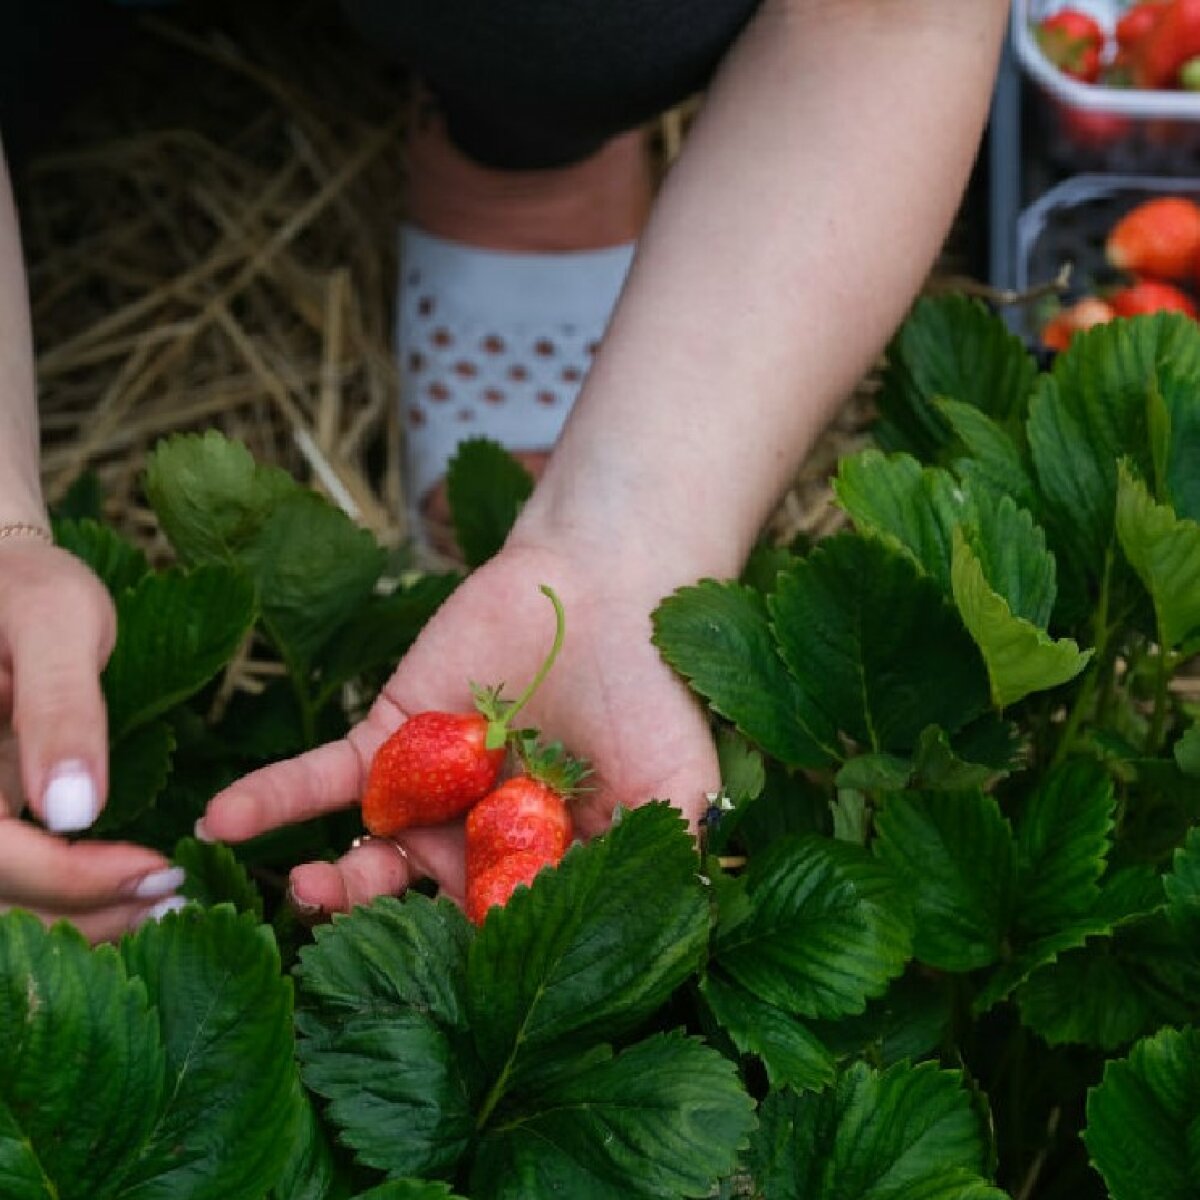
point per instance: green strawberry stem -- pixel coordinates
(500, 716)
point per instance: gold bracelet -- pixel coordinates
(26, 529)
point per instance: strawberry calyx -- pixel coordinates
(550, 764)
(490, 702)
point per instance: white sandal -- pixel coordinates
(494, 344)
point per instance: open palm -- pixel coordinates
(609, 699)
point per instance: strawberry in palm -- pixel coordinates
(521, 827)
(437, 764)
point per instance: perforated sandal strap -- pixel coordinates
(493, 344)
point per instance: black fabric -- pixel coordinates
(541, 83)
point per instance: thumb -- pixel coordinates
(60, 633)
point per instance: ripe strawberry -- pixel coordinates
(437, 764)
(522, 816)
(1059, 331)
(495, 887)
(522, 826)
(1160, 237)
(1138, 21)
(1073, 42)
(1173, 40)
(1148, 297)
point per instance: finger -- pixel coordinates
(377, 868)
(109, 924)
(40, 871)
(59, 641)
(314, 783)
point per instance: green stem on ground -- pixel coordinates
(1162, 683)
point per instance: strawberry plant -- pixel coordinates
(942, 936)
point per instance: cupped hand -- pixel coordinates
(57, 629)
(609, 699)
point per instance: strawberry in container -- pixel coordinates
(1159, 238)
(1074, 42)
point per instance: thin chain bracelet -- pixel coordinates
(26, 529)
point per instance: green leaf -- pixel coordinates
(1064, 837)
(1144, 1118)
(594, 947)
(875, 773)
(382, 630)
(1187, 752)
(1012, 553)
(214, 876)
(717, 636)
(665, 1117)
(138, 768)
(210, 496)
(743, 775)
(913, 507)
(310, 1173)
(1183, 454)
(1164, 550)
(793, 1056)
(950, 347)
(1020, 657)
(1182, 887)
(176, 631)
(117, 563)
(384, 1011)
(82, 501)
(409, 1189)
(1112, 990)
(909, 1021)
(230, 1110)
(957, 852)
(910, 1132)
(940, 765)
(82, 1069)
(851, 817)
(313, 569)
(884, 661)
(825, 928)
(1093, 410)
(486, 488)
(790, 803)
(994, 463)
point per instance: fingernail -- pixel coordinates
(159, 884)
(160, 910)
(70, 802)
(302, 907)
(200, 832)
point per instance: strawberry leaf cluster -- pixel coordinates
(941, 937)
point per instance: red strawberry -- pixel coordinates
(1138, 21)
(1059, 331)
(1073, 42)
(496, 886)
(522, 816)
(522, 826)
(1160, 237)
(437, 764)
(1150, 297)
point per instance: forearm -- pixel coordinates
(20, 489)
(812, 198)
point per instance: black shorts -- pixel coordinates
(540, 83)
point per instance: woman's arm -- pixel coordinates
(809, 203)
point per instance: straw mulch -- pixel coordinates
(211, 242)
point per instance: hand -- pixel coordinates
(57, 629)
(609, 698)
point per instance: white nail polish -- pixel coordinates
(160, 910)
(70, 802)
(159, 884)
(200, 833)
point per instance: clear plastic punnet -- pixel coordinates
(1093, 127)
